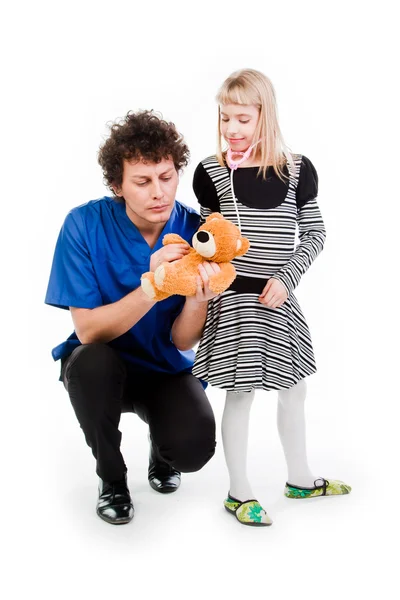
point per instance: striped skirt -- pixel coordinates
(246, 345)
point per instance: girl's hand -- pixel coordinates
(206, 270)
(274, 294)
(168, 253)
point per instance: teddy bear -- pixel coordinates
(217, 240)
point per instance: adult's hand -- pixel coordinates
(203, 292)
(274, 294)
(168, 253)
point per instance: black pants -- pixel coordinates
(101, 386)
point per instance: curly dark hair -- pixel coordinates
(143, 135)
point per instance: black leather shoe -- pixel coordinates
(162, 477)
(115, 504)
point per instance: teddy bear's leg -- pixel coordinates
(147, 282)
(159, 275)
(221, 281)
(169, 278)
(150, 289)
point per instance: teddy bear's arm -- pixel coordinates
(173, 238)
(219, 282)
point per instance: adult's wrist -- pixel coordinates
(143, 297)
(193, 303)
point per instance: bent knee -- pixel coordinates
(189, 455)
(95, 359)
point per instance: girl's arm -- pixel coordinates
(312, 236)
(205, 192)
(204, 213)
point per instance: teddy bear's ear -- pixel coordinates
(242, 246)
(215, 215)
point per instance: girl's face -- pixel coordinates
(238, 124)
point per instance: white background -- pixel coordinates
(68, 69)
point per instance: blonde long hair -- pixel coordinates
(249, 86)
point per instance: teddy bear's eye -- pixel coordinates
(203, 236)
(203, 242)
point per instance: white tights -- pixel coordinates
(292, 432)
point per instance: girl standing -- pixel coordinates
(255, 336)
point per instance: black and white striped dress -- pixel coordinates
(245, 344)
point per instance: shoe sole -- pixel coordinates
(111, 522)
(164, 490)
(248, 524)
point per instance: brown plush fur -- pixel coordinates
(223, 244)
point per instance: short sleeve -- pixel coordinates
(204, 189)
(72, 279)
(307, 187)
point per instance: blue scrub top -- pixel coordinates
(99, 258)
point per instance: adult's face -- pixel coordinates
(149, 190)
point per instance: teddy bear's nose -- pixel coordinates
(203, 236)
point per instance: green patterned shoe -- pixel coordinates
(327, 488)
(249, 512)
